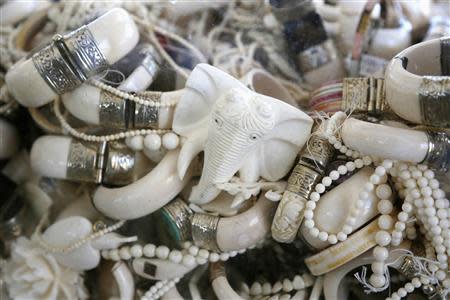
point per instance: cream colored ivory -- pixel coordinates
(13, 11)
(49, 156)
(84, 103)
(80, 207)
(418, 13)
(246, 229)
(264, 83)
(64, 233)
(9, 140)
(334, 207)
(124, 280)
(139, 80)
(221, 205)
(223, 289)
(336, 288)
(115, 34)
(172, 294)
(335, 256)
(333, 70)
(145, 195)
(385, 141)
(387, 42)
(162, 269)
(402, 86)
(237, 129)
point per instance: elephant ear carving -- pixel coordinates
(203, 87)
(278, 151)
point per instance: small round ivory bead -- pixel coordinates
(135, 143)
(298, 282)
(136, 251)
(385, 222)
(255, 289)
(188, 260)
(383, 191)
(203, 253)
(152, 141)
(378, 267)
(287, 285)
(175, 256)
(377, 280)
(162, 252)
(170, 141)
(382, 238)
(380, 253)
(266, 288)
(214, 257)
(149, 250)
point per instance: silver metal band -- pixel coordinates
(317, 153)
(303, 180)
(317, 56)
(151, 64)
(177, 214)
(82, 163)
(69, 60)
(54, 70)
(445, 56)
(434, 100)
(113, 111)
(84, 50)
(438, 154)
(119, 165)
(408, 268)
(204, 231)
(119, 113)
(364, 95)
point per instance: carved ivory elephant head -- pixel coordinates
(237, 129)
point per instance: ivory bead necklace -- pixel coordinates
(300, 282)
(160, 288)
(191, 256)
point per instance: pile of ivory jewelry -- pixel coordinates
(242, 149)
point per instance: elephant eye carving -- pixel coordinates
(218, 122)
(253, 136)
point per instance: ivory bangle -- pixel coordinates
(134, 201)
(341, 253)
(114, 33)
(418, 83)
(124, 280)
(334, 207)
(385, 141)
(220, 284)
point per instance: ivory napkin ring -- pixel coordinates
(306, 174)
(69, 60)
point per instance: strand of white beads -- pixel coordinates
(299, 282)
(159, 289)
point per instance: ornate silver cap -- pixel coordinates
(364, 95)
(438, 154)
(204, 231)
(152, 61)
(408, 268)
(69, 60)
(434, 100)
(119, 113)
(119, 165)
(177, 215)
(317, 152)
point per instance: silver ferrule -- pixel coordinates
(204, 231)
(302, 180)
(82, 162)
(111, 164)
(317, 152)
(364, 95)
(177, 216)
(119, 163)
(69, 60)
(317, 56)
(151, 62)
(115, 112)
(445, 56)
(408, 268)
(434, 100)
(438, 154)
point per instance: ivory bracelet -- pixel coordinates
(71, 59)
(418, 83)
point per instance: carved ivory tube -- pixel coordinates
(37, 80)
(418, 84)
(134, 200)
(385, 141)
(9, 139)
(124, 280)
(95, 106)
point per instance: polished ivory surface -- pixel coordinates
(387, 42)
(330, 71)
(165, 269)
(334, 207)
(385, 141)
(9, 139)
(49, 156)
(223, 290)
(402, 85)
(83, 102)
(124, 280)
(145, 195)
(139, 80)
(115, 34)
(246, 229)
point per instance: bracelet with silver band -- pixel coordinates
(204, 231)
(438, 154)
(177, 215)
(434, 100)
(115, 112)
(69, 60)
(100, 163)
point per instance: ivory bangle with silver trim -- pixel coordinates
(418, 83)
